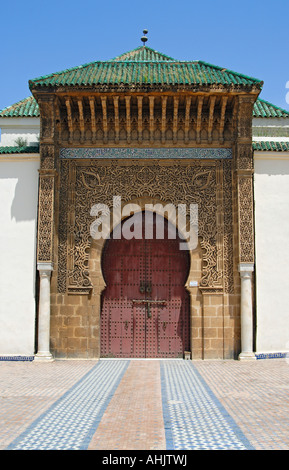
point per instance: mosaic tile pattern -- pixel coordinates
(256, 395)
(71, 421)
(28, 389)
(179, 153)
(194, 419)
(149, 405)
(271, 355)
(17, 358)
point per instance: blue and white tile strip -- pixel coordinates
(194, 418)
(272, 355)
(17, 358)
(71, 421)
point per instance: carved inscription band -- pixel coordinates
(174, 153)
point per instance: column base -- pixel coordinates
(43, 357)
(247, 356)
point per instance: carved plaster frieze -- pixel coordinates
(84, 183)
(46, 218)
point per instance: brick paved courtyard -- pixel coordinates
(145, 405)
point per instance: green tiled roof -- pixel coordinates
(265, 109)
(144, 66)
(271, 146)
(24, 108)
(27, 149)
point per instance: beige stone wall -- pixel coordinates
(214, 316)
(215, 325)
(75, 326)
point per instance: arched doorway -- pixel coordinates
(145, 306)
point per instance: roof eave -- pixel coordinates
(146, 87)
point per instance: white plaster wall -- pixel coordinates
(13, 128)
(271, 122)
(18, 215)
(272, 250)
(270, 139)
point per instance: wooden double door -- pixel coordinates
(145, 306)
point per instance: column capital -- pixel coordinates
(245, 268)
(45, 267)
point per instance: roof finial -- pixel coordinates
(144, 38)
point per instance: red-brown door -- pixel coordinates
(145, 307)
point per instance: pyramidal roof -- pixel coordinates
(145, 67)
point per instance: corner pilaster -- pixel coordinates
(245, 210)
(45, 236)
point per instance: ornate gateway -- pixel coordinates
(149, 130)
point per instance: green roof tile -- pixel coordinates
(140, 73)
(24, 108)
(264, 109)
(271, 146)
(144, 66)
(27, 149)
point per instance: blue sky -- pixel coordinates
(42, 37)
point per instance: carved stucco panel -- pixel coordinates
(45, 219)
(246, 228)
(86, 183)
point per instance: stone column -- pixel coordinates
(43, 353)
(246, 270)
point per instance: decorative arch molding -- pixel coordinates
(86, 182)
(142, 204)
